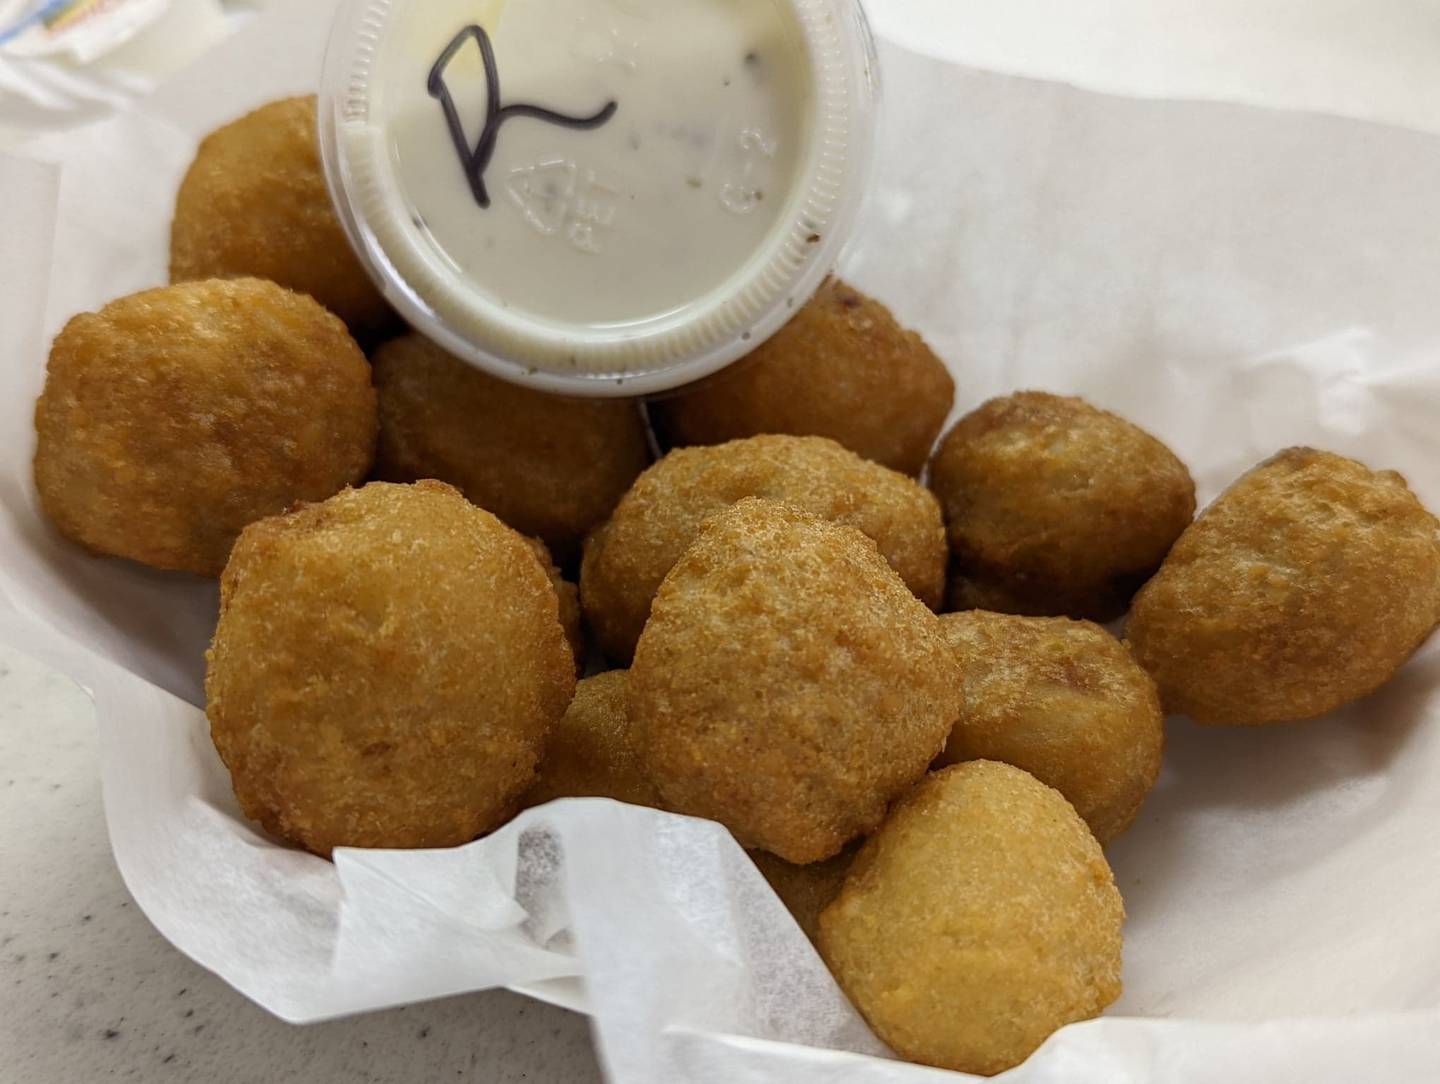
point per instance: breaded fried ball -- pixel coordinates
(385, 671)
(254, 204)
(788, 684)
(842, 368)
(546, 465)
(593, 752)
(805, 890)
(654, 523)
(1055, 507)
(1064, 701)
(978, 920)
(173, 418)
(1304, 587)
(568, 595)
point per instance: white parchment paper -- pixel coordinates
(1235, 280)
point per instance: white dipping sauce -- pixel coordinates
(598, 197)
(658, 205)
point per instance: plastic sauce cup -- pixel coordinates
(598, 197)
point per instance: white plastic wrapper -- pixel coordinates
(1232, 279)
(80, 29)
(64, 62)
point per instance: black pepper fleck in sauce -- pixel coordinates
(477, 160)
(755, 67)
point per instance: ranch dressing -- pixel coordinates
(659, 203)
(563, 190)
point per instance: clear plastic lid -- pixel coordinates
(598, 197)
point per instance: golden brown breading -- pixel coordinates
(657, 519)
(174, 417)
(568, 596)
(1305, 586)
(978, 920)
(842, 368)
(788, 684)
(385, 671)
(1055, 507)
(805, 890)
(254, 204)
(593, 752)
(546, 465)
(1064, 701)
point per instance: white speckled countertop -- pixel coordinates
(89, 991)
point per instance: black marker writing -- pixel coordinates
(477, 160)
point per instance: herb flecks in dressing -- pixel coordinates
(603, 227)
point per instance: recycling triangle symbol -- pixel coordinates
(543, 193)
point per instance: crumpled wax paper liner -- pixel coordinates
(1233, 279)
